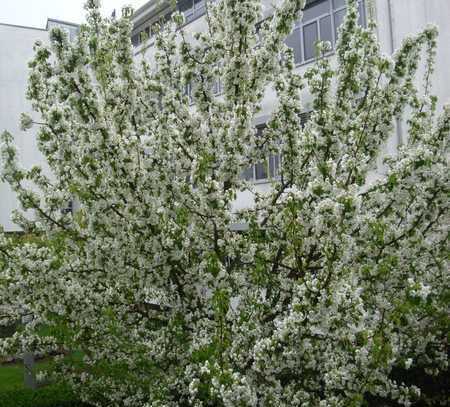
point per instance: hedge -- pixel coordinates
(51, 396)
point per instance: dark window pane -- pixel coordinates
(184, 5)
(145, 34)
(362, 19)
(338, 3)
(167, 17)
(247, 174)
(274, 165)
(316, 10)
(304, 117)
(261, 171)
(135, 40)
(217, 87)
(293, 41)
(154, 29)
(338, 19)
(187, 91)
(260, 168)
(260, 129)
(199, 7)
(326, 30)
(310, 38)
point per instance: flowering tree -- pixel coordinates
(335, 284)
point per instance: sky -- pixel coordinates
(34, 13)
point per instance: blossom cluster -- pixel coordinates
(335, 282)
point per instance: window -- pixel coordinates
(187, 91)
(135, 40)
(217, 86)
(68, 209)
(191, 8)
(148, 30)
(216, 89)
(310, 38)
(321, 20)
(270, 168)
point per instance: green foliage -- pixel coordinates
(326, 289)
(51, 396)
(11, 378)
(12, 375)
(8, 330)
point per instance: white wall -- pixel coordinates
(398, 19)
(410, 17)
(16, 50)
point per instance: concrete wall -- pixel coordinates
(16, 50)
(410, 17)
(398, 19)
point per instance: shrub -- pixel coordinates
(51, 396)
(337, 280)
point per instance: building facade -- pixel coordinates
(16, 50)
(395, 19)
(321, 19)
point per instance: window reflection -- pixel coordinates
(321, 20)
(311, 37)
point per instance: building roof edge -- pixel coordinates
(23, 26)
(141, 9)
(61, 22)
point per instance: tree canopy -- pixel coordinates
(325, 291)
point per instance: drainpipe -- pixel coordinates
(398, 123)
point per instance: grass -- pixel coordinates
(12, 375)
(14, 394)
(49, 396)
(56, 394)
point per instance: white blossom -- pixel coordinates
(337, 281)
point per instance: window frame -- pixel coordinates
(300, 25)
(266, 163)
(197, 10)
(276, 176)
(148, 27)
